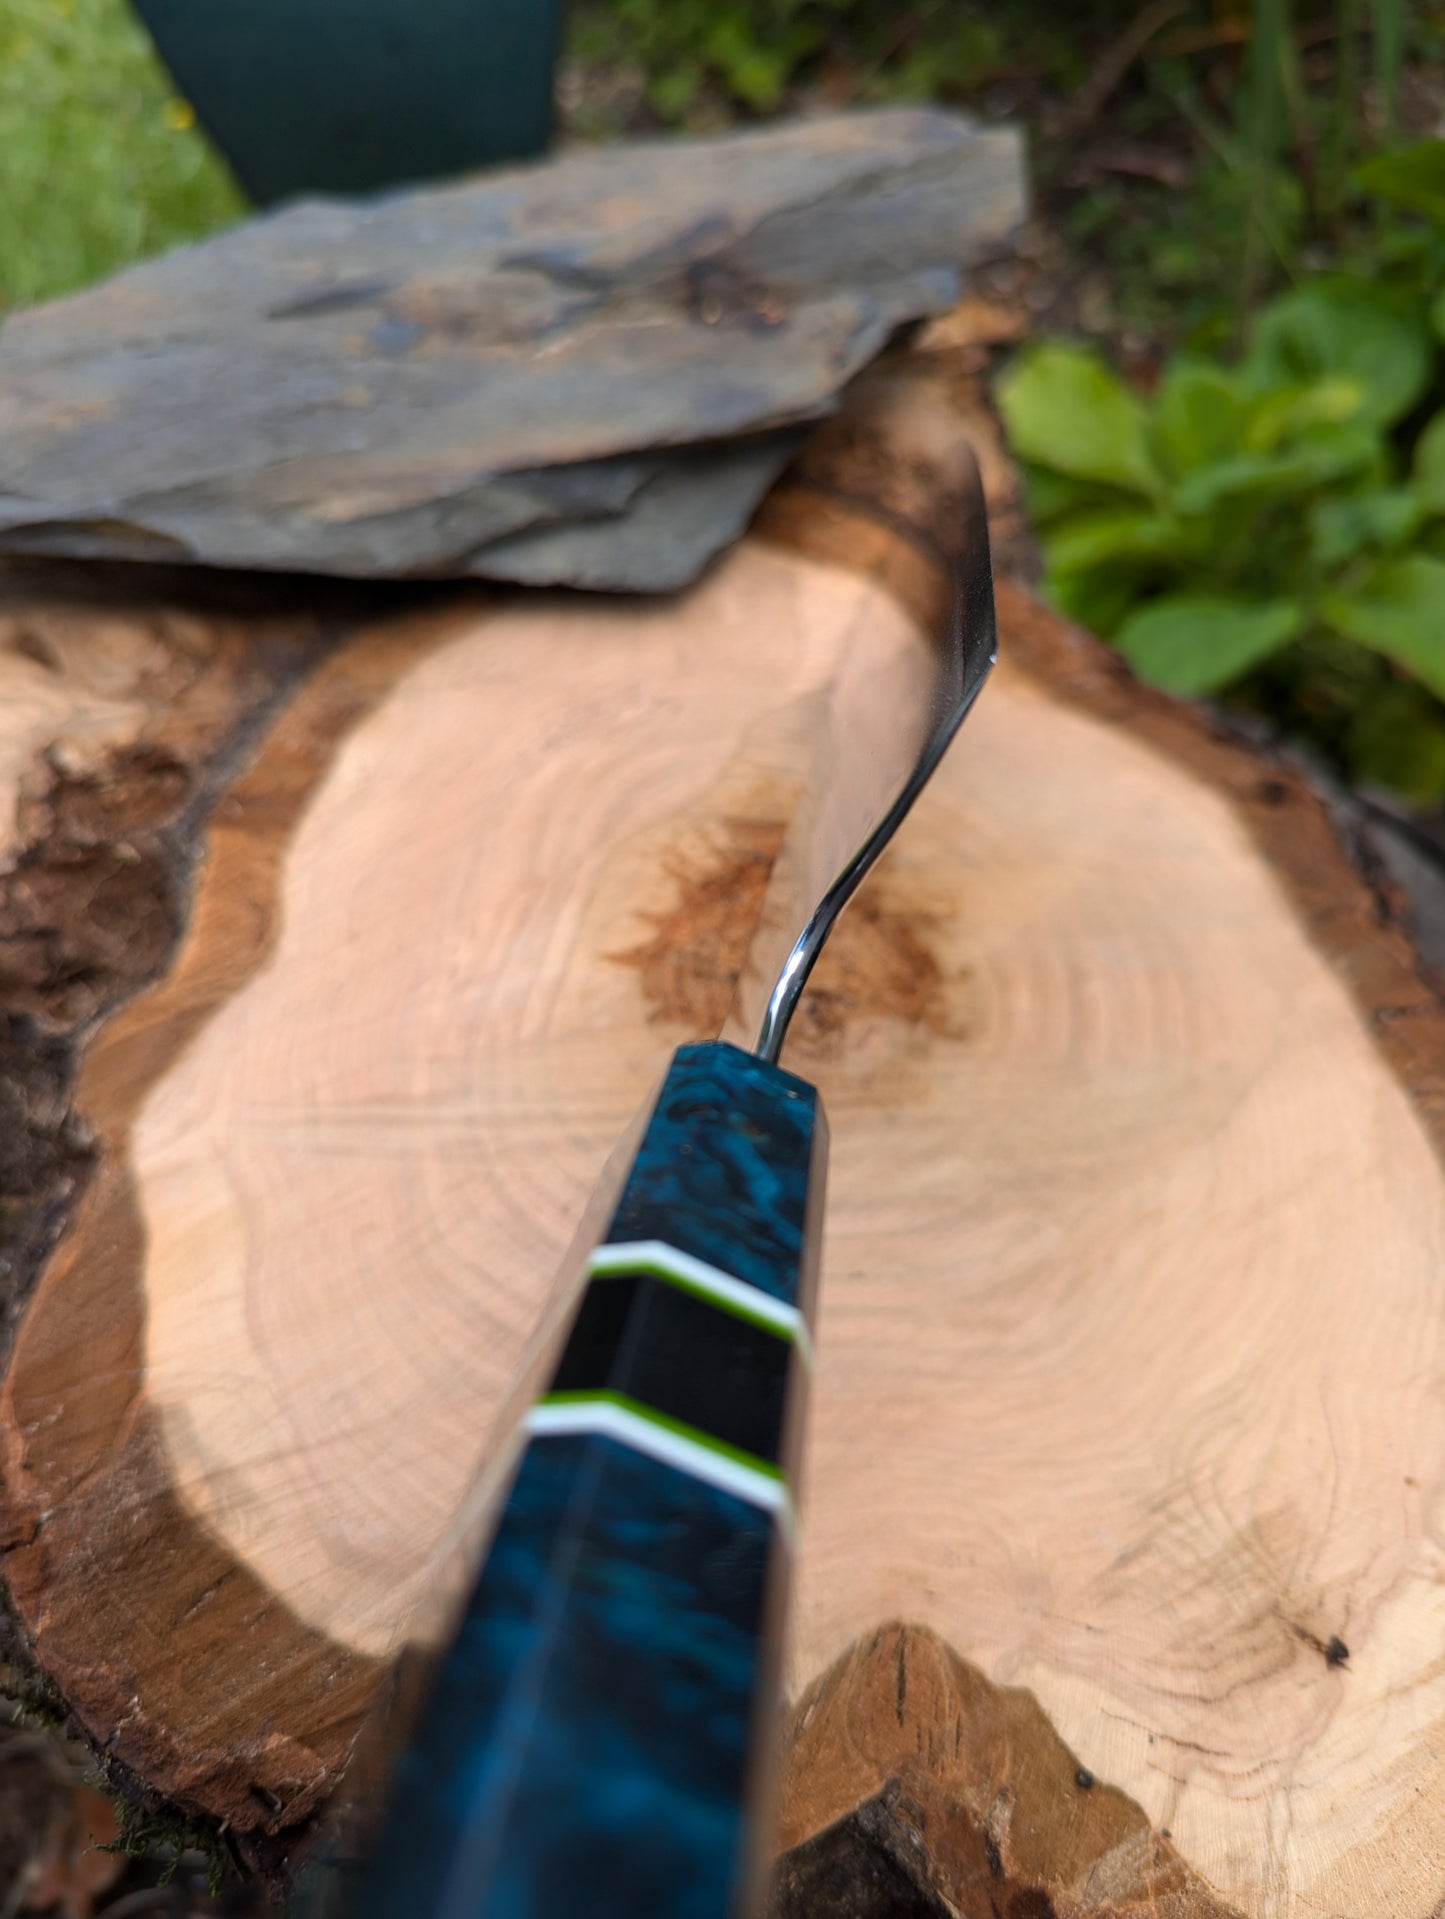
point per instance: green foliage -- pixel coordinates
(705, 60)
(1273, 525)
(1429, 475)
(1346, 336)
(1389, 34)
(99, 161)
(1280, 123)
(1270, 145)
(1069, 412)
(1410, 177)
(1197, 642)
(1397, 607)
(750, 49)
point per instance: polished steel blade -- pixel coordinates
(884, 768)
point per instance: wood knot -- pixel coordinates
(878, 963)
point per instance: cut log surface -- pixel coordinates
(1128, 1393)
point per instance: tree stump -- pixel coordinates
(340, 946)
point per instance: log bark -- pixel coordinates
(1126, 1396)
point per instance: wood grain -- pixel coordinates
(963, 1801)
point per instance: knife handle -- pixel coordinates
(599, 1733)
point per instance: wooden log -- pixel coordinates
(1126, 1389)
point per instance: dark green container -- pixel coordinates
(348, 96)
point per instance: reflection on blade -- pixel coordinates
(885, 767)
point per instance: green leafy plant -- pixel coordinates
(1272, 526)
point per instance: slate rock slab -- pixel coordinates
(586, 371)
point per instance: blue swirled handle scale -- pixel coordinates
(598, 1734)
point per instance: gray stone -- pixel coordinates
(534, 375)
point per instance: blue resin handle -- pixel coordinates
(601, 1728)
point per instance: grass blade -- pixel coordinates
(1266, 124)
(1389, 24)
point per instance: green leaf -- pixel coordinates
(1343, 329)
(1342, 526)
(1411, 177)
(1054, 496)
(1429, 473)
(1398, 611)
(757, 66)
(1064, 409)
(1198, 642)
(1317, 458)
(1293, 410)
(1200, 415)
(1392, 515)
(1437, 315)
(1125, 533)
(1097, 598)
